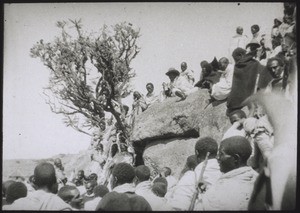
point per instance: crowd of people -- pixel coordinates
(229, 174)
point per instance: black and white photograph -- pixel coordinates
(149, 106)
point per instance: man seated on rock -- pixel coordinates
(99, 192)
(185, 189)
(208, 76)
(187, 73)
(44, 198)
(221, 90)
(178, 85)
(123, 190)
(237, 119)
(71, 195)
(233, 189)
(150, 97)
(14, 192)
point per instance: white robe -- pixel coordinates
(221, 90)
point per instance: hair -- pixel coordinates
(208, 66)
(150, 84)
(167, 171)
(160, 180)
(237, 145)
(5, 185)
(256, 27)
(65, 192)
(44, 175)
(160, 189)
(238, 51)
(100, 190)
(280, 62)
(224, 59)
(114, 201)
(124, 173)
(240, 113)
(207, 144)
(191, 162)
(15, 191)
(142, 172)
(93, 176)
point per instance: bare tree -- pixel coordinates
(90, 74)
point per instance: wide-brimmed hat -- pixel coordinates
(253, 43)
(172, 70)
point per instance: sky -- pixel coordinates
(170, 34)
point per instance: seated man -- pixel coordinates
(187, 73)
(99, 192)
(14, 192)
(178, 86)
(221, 90)
(44, 198)
(123, 196)
(186, 187)
(233, 189)
(236, 119)
(89, 195)
(208, 76)
(150, 97)
(71, 195)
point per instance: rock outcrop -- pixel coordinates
(168, 130)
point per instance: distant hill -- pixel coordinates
(25, 167)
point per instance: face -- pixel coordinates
(275, 69)
(239, 31)
(204, 70)
(102, 126)
(76, 201)
(226, 162)
(80, 174)
(253, 30)
(183, 66)
(149, 88)
(89, 188)
(223, 64)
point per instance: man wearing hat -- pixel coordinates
(178, 86)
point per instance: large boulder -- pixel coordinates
(189, 118)
(170, 152)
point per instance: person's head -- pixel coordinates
(126, 109)
(159, 189)
(15, 191)
(204, 145)
(93, 177)
(5, 185)
(99, 146)
(275, 67)
(233, 153)
(80, 174)
(89, 186)
(136, 95)
(172, 74)
(239, 30)
(71, 195)
(160, 180)
(100, 190)
(206, 68)
(166, 171)
(122, 173)
(223, 63)
(102, 125)
(44, 177)
(142, 173)
(237, 115)
(183, 66)
(288, 42)
(238, 54)
(149, 87)
(254, 28)
(114, 201)
(57, 163)
(191, 162)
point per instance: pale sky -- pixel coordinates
(170, 33)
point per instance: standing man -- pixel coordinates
(187, 73)
(238, 40)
